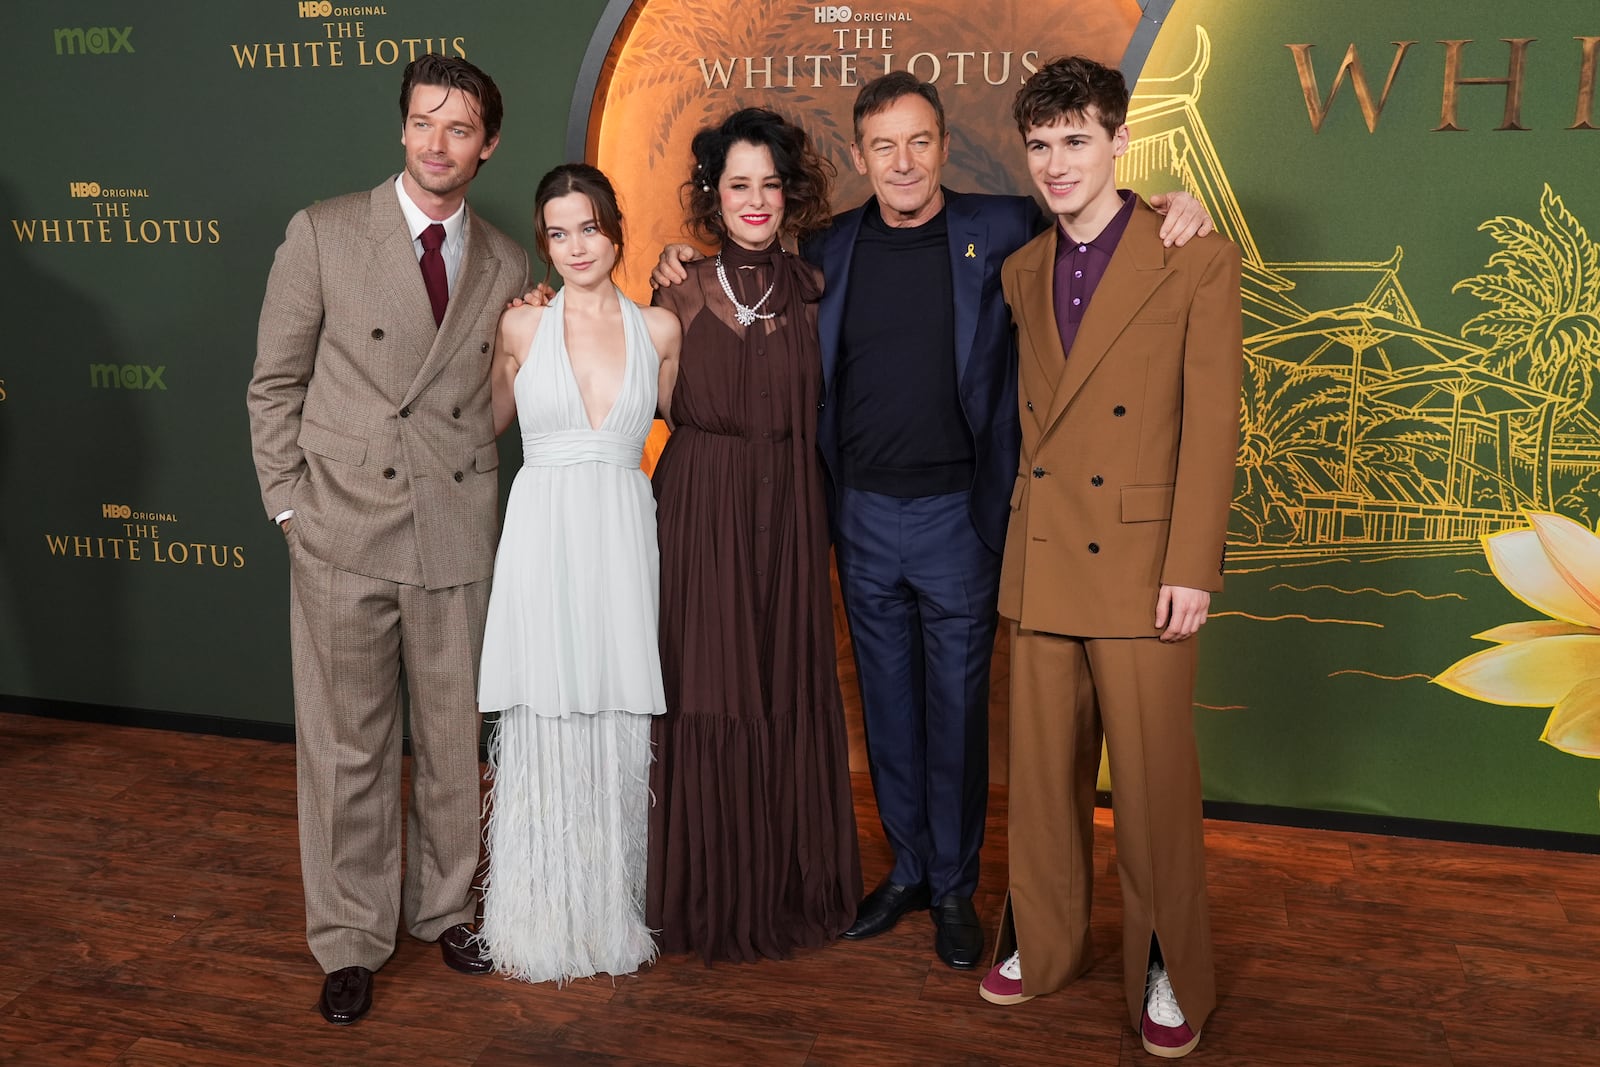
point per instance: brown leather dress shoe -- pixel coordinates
(346, 995)
(461, 952)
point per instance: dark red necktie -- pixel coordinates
(433, 270)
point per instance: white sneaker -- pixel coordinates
(1163, 1029)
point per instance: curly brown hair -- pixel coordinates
(806, 176)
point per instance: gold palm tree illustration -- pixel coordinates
(1543, 327)
(1295, 422)
(1281, 408)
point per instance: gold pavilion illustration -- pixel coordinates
(1366, 431)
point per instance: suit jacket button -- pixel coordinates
(1119, 411)
(377, 335)
(455, 413)
(484, 347)
(1029, 403)
(1038, 472)
(1093, 548)
(405, 412)
(388, 472)
(458, 476)
(1097, 481)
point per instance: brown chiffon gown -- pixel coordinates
(752, 830)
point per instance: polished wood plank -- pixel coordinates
(154, 1052)
(26, 1043)
(153, 915)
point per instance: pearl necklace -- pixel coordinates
(745, 315)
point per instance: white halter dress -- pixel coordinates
(572, 670)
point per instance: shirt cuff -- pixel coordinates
(283, 516)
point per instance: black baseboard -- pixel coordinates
(209, 725)
(1397, 826)
(1226, 810)
(1394, 826)
(212, 725)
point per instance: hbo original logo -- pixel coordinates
(83, 188)
(115, 511)
(315, 9)
(841, 13)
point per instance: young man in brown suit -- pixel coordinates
(1129, 372)
(375, 448)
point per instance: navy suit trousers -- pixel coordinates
(920, 589)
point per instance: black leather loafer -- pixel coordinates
(958, 936)
(462, 952)
(346, 995)
(882, 908)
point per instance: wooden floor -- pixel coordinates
(150, 911)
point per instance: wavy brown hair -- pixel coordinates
(1068, 88)
(806, 176)
(449, 72)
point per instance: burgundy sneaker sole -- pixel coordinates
(1169, 1052)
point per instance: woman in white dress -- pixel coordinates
(570, 665)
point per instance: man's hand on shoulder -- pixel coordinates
(669, 268)
(1186, 217)
(538, 297)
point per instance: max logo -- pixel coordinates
(126, 376)
(93, 41)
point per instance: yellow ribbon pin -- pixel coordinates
(970, 253)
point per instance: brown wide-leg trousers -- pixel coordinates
(1064, 691)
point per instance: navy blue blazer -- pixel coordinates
(984, 230)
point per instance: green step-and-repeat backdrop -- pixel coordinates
(1412, 620)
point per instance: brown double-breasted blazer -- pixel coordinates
(1128, 443)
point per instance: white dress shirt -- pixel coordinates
(455, 228)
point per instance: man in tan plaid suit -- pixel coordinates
(375, 448)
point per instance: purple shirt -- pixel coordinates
(1079, 267)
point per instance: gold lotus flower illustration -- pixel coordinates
(1553, 567)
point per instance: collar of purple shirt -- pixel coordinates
(1079, 267)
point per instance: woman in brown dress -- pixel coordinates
(752, 833)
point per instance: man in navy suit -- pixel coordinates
(919, 434)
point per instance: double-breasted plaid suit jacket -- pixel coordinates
(353, 378)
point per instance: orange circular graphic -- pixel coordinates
(678, 65)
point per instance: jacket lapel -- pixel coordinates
(968, 254)
(1136, 269)
(396, 273)
(836, 256)
(1037, 315)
